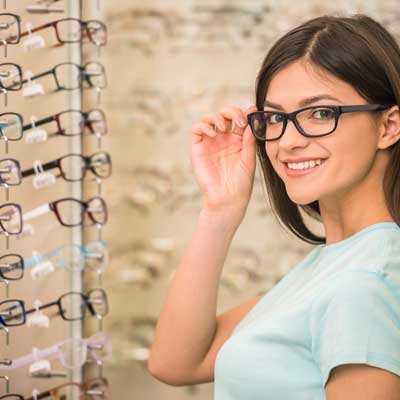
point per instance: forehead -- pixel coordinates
(301, 80)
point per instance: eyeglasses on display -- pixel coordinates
(74, 30)
(95, 347)
(70, 76)
(74, 167)
(72, 212)
(94, 389)
(312, 121)
(72, 257)
(74, 123)
(71, 306)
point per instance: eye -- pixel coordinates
(273, 118)
(325, 113)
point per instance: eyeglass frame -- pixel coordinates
(18, 38)
(85, 251)
(52, 207)
(18, 167)
(85, 300)
(84, 387)
(22, 304)
(338, 110)
(83, 76)
(18, 84)
(83, 25)
(87, 166)
(21, 121)
(85, 209)
(56, 117)
(13, 265)
(18, 207)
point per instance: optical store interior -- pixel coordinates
(99, 198)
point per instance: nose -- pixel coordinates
(291, 136)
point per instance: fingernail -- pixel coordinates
(241, 123)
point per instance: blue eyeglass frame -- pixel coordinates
(338, 110)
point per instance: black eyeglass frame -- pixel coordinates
(83, 76)
(17, 39)
(87, 160)
(85, 300)
(338, 110)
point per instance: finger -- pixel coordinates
(201, 129)
(215, 119)
(234, 114)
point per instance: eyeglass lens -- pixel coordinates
(11, 218)
(74, 166)
(12, 312)
(10, 125)
(10, 76)
(73, 353)
(98, 301)
(9, 28)
(68, 76)
(74, 122)
(314, 121)
(72, 212)
(10, 172)
(11, 267)
(94, 73)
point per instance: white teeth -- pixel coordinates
(305, 164)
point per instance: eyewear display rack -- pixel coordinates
(69, 99)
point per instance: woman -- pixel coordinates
(327, 91)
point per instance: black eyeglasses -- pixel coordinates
(71, 306)
(74, 123)
(12, 267)
(10, 76)
(73, 167)
(313, 121)
(70, 76)
(10, 28)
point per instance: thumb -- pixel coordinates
(249, 141)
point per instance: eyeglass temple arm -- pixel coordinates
(38, 123)
(46, 166)
(32, 357)
(38, 28)
(51, 71)
(36, 212)
(32, 310)
(42, 395)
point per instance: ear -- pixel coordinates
(389, 127)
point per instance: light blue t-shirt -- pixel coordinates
(340, 305)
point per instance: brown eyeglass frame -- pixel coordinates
(83, 386)
(57, 118)
(84, 30)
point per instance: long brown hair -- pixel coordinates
(356, 49)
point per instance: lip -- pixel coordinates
(301, 172)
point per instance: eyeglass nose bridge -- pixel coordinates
(292, 116)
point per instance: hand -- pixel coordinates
(223, 156)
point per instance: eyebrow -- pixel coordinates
(304, 102)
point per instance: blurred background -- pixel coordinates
(165, 63)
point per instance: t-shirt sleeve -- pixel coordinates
(357, 321)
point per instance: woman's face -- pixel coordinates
(350, 150)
